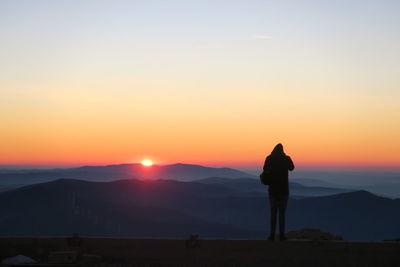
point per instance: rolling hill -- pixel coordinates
(166, 208)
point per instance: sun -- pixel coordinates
(147, 162)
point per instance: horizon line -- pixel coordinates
(243, 166)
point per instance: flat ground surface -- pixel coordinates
(164, 252)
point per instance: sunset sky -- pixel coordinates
(207, 82)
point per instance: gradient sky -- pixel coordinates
(208, 82)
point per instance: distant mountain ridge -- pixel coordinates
(226, 177)
(179, 171)
(383, 183)
(297, 190)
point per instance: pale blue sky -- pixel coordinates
(80, 35)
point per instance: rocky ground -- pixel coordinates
(163, 252)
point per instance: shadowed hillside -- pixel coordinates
(164, 208)
(121, 208)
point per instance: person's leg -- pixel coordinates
(274, 211)
(282, 214)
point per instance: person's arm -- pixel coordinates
(290, 164)
(266, 164)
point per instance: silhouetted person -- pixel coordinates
(277, 164)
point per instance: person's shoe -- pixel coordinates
(282, 238)
(271, 237)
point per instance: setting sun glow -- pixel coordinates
(147, 162)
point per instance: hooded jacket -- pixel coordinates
(278, 164)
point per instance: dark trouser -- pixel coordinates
(278, 204)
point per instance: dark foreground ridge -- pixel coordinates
(126, 252)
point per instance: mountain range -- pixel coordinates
(213, 208)
(179, 172)
(231, 178)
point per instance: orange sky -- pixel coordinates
(78, 129)
(196, 87)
